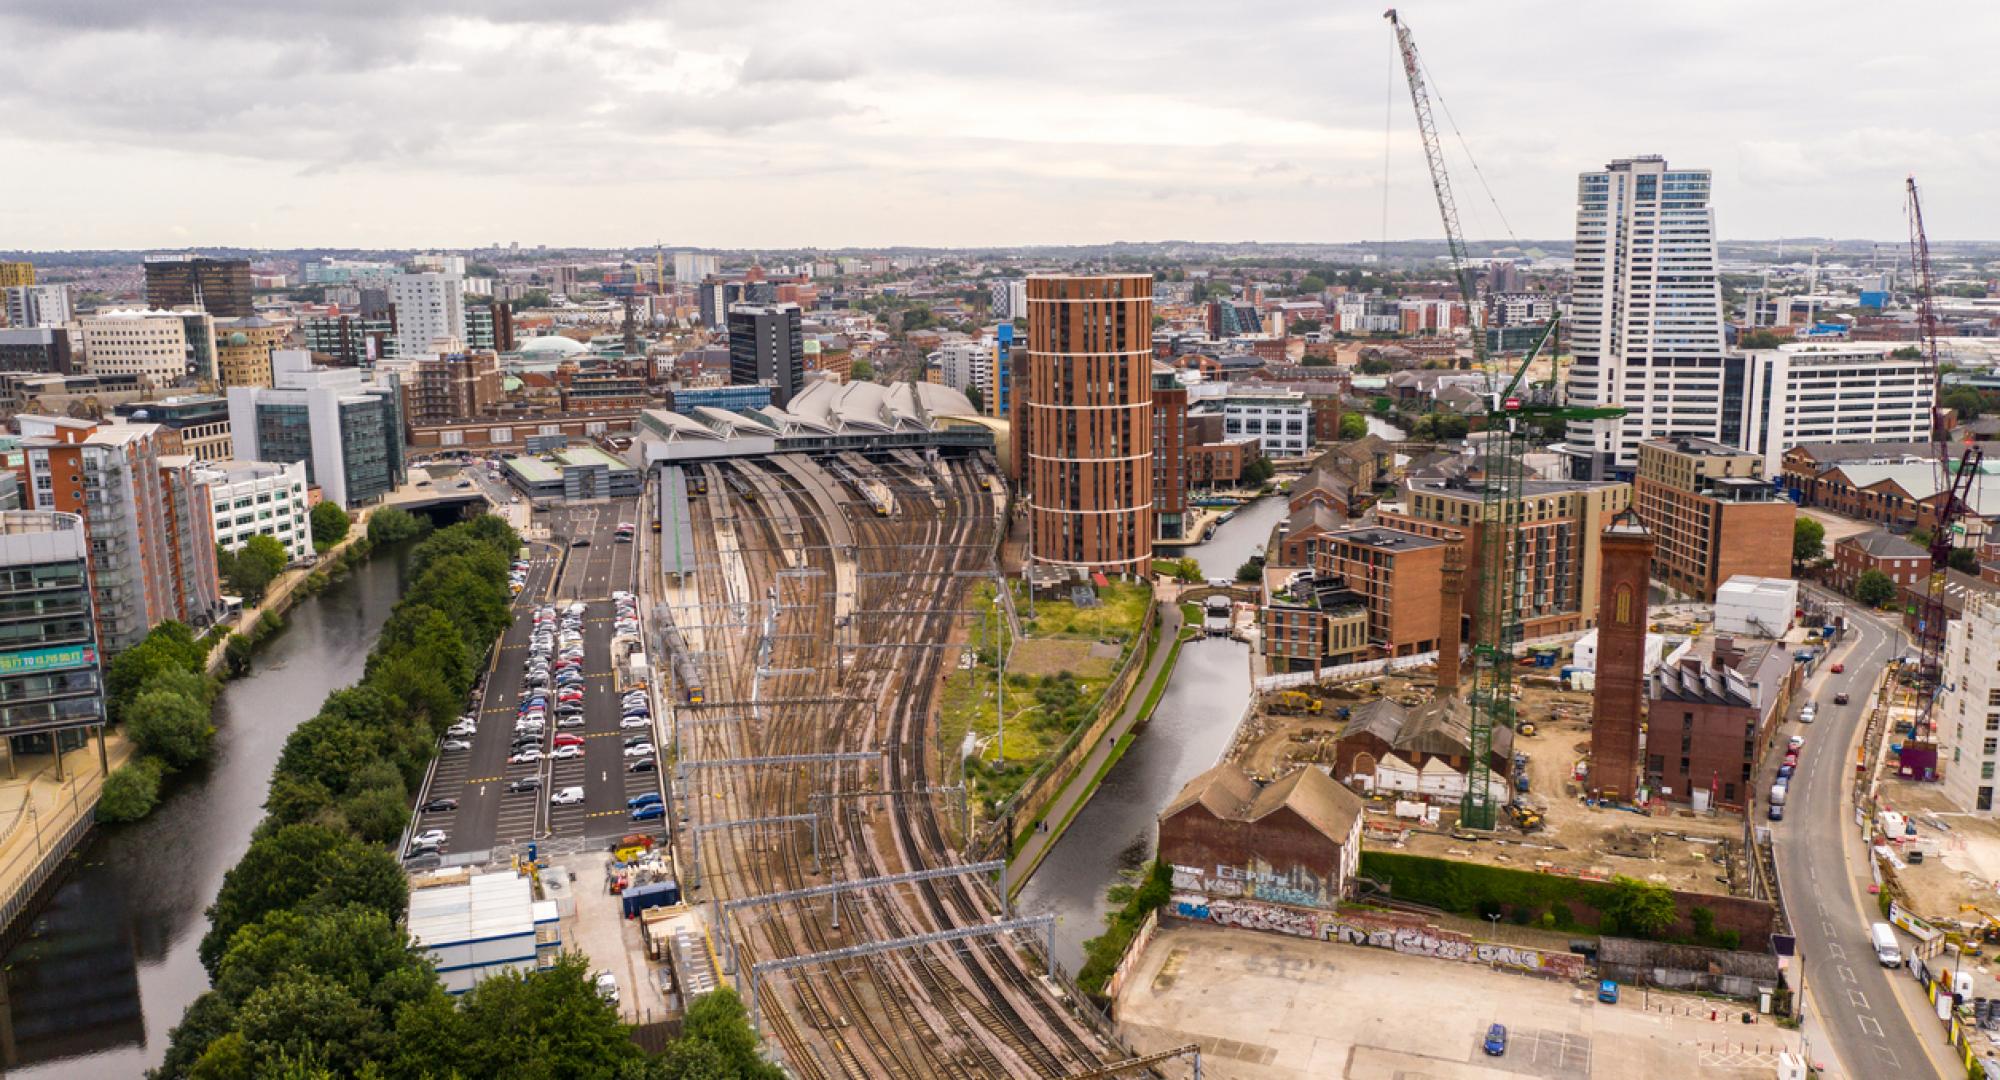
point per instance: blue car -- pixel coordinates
(1607, 992)
(1496, 1040)
(647, 799)
(652, 812)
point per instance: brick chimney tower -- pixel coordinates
(1620, 700)
(1448, 621)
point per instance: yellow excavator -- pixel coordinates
(1297, 702)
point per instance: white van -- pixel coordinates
(1883, 936)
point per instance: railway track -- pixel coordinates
(973, 1008)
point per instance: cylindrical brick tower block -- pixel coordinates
(1083, 396)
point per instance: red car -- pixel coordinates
(566, 739)
(1838, 668)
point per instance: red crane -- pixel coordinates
(1954, 481)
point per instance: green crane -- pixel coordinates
(1496, 627)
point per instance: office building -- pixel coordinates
(439, 389)
(1967, 714)
(38, 305)
(1646, 315)
(350, 340)
(429, 312)
(1619, 698)
(964, 365)
(1712, 515)
(1562, 523)
(1170, 431)
(200, 420)
(348, 272)
(716, 297)
(441, 264)
(220, 287)
(16, 273)
(685, 400)
(164, 348)
(1811, 392)
(344, 424)
(259, 498)
(693, 266)
(767, 346)
(1083, 423)
(243, 349)
(51, 672)
(42, 350)
(1280, 420)
(152, 546)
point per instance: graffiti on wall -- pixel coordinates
(1296, 886)
(1409, 935)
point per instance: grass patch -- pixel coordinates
(1102, 953)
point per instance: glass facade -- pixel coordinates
(284, 433)
(49, 671)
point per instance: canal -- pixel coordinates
(105, 971)
(1190, 728)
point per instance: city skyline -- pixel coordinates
(367, 125)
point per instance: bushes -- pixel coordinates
(390, 525)
(131, 791)
(1102, 953)
(1623, 907)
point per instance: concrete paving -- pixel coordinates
(600, 932)
(1269, 1007)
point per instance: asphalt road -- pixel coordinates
(488, 815)
(1870, 1012)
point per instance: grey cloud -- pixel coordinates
(781, 65)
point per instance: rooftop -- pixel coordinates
(1697, 447)
(1228, 793)
(1376, 536)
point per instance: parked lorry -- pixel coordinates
(1883, 937)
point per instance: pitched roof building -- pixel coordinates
(1296, 841)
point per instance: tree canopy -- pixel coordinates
(1808, 541)
(329, 524)
(1874, 588)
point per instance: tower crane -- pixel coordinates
(1509, 407)
(1954, 482)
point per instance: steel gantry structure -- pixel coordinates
(1509, 407)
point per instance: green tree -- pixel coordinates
(302, 868)
(329, 524)
(1635, 908)
(977, 397)
(171, 726)
(1375, 365)
(1259, 471)
(1874, 588)
(169, 646)
(1353, 425)
(391, 525)
(716, 1043)
(252, 566)
(1252, 570)
(131, 791)
(1312, 283)
(1966, 401)
(1187, 570)
(547, 1024)
(1761, 339)
(1964, 560)
(1302, 327)
(1808, 541)
(861, 371)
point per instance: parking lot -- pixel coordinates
(513, 785)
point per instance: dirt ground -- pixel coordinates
(1679, 849)
(1051, 656)
(1961, 863)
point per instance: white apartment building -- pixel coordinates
(259, 498)
(691, 267)
(1520, 309)
(30, 306)
(1968, 714)
(162, 347)
(1009, 298)
(1646, 314)
(1280, 420)
(430, 312)
(1832, 392)
(963, 365)
(442, 264)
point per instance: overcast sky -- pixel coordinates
(453, 123)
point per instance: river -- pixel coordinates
(1190, 728)
(105, 971)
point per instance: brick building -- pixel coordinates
(1712, 514)
(1562, 524)
(1219, 464)
(1905, 563)
(1296, 841)
(1170, 480)
(1392, 574)
(1712, 707)
(1619, 700)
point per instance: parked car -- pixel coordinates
(566, 739)
(607, 986)
(565, 753)
(653, 812)
(429, 836)
(454, 744)
(525, 783)
(522, 757)
(569, 719)
(1607, 991)
(462, 728)
(566, 796)
(1496, 1040)
(644, 749)
(439, 806)
(1796, 741)
(644, 764)
(647, 799)
(639, 721)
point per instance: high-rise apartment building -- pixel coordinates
(1083, 421)
(693, 266)
(344, 424)
(51, 670)
(429, 311)
(767, 346)
(438, 389)
(349, 340)
(161, 347)
(1170, 406)
(1646, 322)
(1712, 514)
(1832, 392)
(16, 273)
(1968, 708)
(152, 544)
(38, 305)
(220, 287)
(243, 349)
